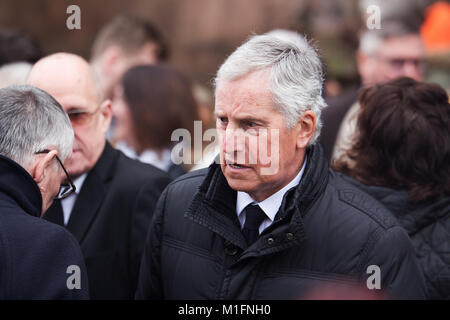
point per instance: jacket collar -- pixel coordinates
(17, 184)
(214, 207)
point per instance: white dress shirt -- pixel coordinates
(270, 206)
(161, 160)
(68, 203)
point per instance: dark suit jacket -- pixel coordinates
(110, 220)
(35, 255)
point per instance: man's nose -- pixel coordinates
(234, 140)
(412, 70)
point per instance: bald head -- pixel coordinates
(60, 71)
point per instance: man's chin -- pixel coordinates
(240, 185)
(75, 172)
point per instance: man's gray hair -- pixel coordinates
(30, 121)
(296, 73)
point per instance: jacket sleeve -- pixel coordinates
(144, 207)
(149, 283)
(401, 277)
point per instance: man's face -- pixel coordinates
(259, 155)
(88, 122)
(70, 81)
(396, 57)
(115, 62)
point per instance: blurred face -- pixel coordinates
(259, 155)
(115, 62)
(69, 80)
(396, 57)
(123, 125)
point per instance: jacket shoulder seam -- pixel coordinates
(367, 206)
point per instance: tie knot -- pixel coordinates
(254, 215)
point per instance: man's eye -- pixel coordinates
(251, 125)
(77, 116)
(223, 119)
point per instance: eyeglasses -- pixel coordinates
(80, 117)
(64, 190)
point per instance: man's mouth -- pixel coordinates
(237, 166)
(233, 164)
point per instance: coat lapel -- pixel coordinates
(92, 194)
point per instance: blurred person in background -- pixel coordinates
(36, 139)
(15, 73)
(394, 50)
(115, 196)
(391, 52)
(18, 52)
(401, 156)
(124, 42)
(209, 149)
(205, 101)
(16, 46)
(150, 103)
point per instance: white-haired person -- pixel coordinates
(38, 260)
(272, 221)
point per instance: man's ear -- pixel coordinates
(111, 58)
(42, 162)
(106, 115)
(306, 127)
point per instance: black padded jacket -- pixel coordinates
(327, 234)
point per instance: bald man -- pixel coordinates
(115, 196)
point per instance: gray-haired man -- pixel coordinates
(38, 260)
(272, 221)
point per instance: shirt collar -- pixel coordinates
(162, 161)
(78, 182)
(272, 204)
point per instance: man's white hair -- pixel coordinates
(296, 73)
(30, 121)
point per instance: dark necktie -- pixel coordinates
(253, 218)
(55, 213)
